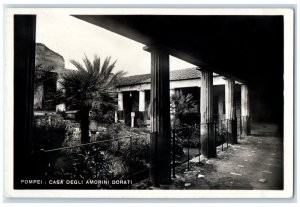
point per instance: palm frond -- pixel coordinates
(96, 64)
(91, 84)
(107, 67)
(78, 66)
(88, 64)
(110, 68)
(116, 77)
(104, 66)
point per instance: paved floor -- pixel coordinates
(255, 163)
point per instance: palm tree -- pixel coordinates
(181, 105)
(90, 87)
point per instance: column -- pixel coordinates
(230, 114)
(120, 106)
(245, 110)
(24, 67)
(221, 107)
(208, 148)
(160, 155)
(142, 106)
(59, 87)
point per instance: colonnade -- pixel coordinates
(160, 113)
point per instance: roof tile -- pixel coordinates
(183, 74)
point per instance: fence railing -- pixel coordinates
(126, 158)
(101, 161)
(190, 137)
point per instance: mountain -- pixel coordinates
(47, 58)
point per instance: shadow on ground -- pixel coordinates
(255, 163)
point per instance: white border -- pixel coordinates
(288, 112)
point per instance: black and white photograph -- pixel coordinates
(149, 102)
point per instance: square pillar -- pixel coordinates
(208, 146)
(141, 100)
(245, 110)
(221, 107)
(160, 154)
(60, 107)
(142, 106)
(230, 113)
(120, 106)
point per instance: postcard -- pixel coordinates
(149, 103)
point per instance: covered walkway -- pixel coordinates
(255, 163)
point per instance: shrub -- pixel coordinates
(112, 132)
(181, 105)
(190, 132)
(110, 159)
(178, 148)
(48, 134)
(193, 143)
(90, 163)
(109, 117)
(134, 151)
(72, 137)
(115, 129)
(221, 135)
(140, 123)
(104, 136)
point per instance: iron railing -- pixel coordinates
(104, 160)
(189, 138)
(187, 135)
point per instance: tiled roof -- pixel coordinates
(135, 79)
(184, 74)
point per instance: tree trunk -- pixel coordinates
(84, 125)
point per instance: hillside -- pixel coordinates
(48, 58)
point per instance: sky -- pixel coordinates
(73, 38)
